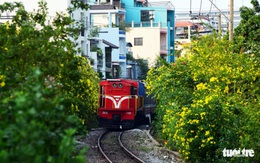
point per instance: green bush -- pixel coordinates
(34, 126)
(209, 101)
(47, 93)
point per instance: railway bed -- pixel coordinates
(111, 147)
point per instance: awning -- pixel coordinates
(110, 44)
(115, 63)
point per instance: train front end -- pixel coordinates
(118, 103)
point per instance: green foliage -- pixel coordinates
(35, 126)
(130, 57)
(47, 93)
(76, 4)
(80, 89)
(247, 33)
(118, 71)
(142, 63)
(93, 32)
(208, 101)
(98, 50)
(122, 26)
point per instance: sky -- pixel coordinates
(195, 5)
(53, 5)
(180, 5)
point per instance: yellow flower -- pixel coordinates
(207, 133)
(202, 114)
(212, 79)
(196, 121)
(2, 84)
(208, 99)
(201, 86)
(7, 25)
(226, 89)
(228, 81)
(210, 138)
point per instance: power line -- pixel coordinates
(210, 8)
(219, 10)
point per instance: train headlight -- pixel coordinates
(104, 112)
(114, 85)
(120, 85)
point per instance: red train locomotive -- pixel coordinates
(122, 103)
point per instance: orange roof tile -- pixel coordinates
(183, 24)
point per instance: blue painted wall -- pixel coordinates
(161, 14)
(133, 13)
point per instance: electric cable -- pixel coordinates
(219, 10)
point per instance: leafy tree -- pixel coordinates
(247, 33)
(143, 65)
(47, 92)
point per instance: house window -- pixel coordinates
(138, 41)
(87, 23)
(147, 15)
(82, 30)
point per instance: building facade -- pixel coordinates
(101, 39)
(106, 17)
(150, 29)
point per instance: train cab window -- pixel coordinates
(101, 90)
(133, 90)
(101, 96)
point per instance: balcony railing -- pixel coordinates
(116, 4)
(146, 24)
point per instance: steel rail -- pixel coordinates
(137, 159)
(100, 148)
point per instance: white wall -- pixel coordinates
(151, 43)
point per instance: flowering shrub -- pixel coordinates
(80, 89)
(2, 81)
(208, 101)
(47, 93)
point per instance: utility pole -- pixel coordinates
(231, 20)
(219, 25)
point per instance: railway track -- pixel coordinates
(111, 147)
